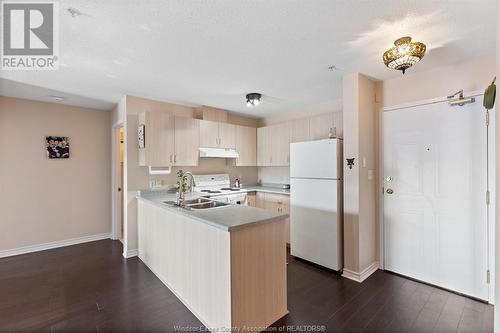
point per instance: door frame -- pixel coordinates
(380, 185)
(115, 182)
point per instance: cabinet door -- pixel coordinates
(209, 134)
(299, 130)
(187, 138)
(271, 205)
(227, 135)
(280, 144)
(252, 199)
(159, 139)
(263, 147)
(260, 200)
(320, 126)
(246, 146)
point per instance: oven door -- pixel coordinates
(238, 199)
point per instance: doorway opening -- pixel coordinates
(119, 167)
(121, 176)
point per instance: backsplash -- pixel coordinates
(248, 175)
(276, 175)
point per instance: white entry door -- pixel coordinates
(435, 211)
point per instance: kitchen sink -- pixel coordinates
(199, 203)
(206, 205)
(196, 201)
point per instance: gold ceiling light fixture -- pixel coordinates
(404, 54)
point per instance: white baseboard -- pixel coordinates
(131, 253)
(360, 277)
(52, 245)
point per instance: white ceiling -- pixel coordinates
(214, 52)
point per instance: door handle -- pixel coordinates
(390, 191)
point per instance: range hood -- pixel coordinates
(219, 152)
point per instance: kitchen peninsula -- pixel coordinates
(226, 264)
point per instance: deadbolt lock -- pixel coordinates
(390, 191)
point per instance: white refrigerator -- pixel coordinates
(316, 215)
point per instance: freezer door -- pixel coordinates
(315, 159)
(316, 222)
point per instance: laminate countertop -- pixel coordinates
(267, 188)
(230, 217)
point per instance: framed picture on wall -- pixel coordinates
(141, 136)
(57, 147)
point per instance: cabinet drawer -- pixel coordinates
(277, 198)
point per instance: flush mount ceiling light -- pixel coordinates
(404, 54)
(253, 99)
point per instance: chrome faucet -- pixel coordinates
(181, 193)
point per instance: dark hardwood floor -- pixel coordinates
(91, 288)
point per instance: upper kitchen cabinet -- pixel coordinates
(187, 138)
(217, 135)
(246, 146)
(264, 157)
(299, 130)
(280, 140)
(273, 145)
(209, 134)
(320, 126)
(169, 140)
(159, 148)
(227, 135)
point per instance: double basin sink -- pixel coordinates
(199, 203)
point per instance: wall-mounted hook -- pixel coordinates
(350, 162)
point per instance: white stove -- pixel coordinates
(218, 187)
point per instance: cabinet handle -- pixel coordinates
(171, 159)
(175, 158)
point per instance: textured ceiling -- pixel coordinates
(214, 52)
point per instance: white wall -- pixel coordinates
(44, 200)
(274, 175)
(360, 214)
(303, 112)
(471, 75)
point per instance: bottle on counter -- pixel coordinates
(237, 183)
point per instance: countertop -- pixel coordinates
(267, 188)
(229, 218)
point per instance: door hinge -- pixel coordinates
(487, 118)
(487, 197)
(488, 276)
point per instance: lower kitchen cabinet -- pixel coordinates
(276, 202)
(251, 199)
